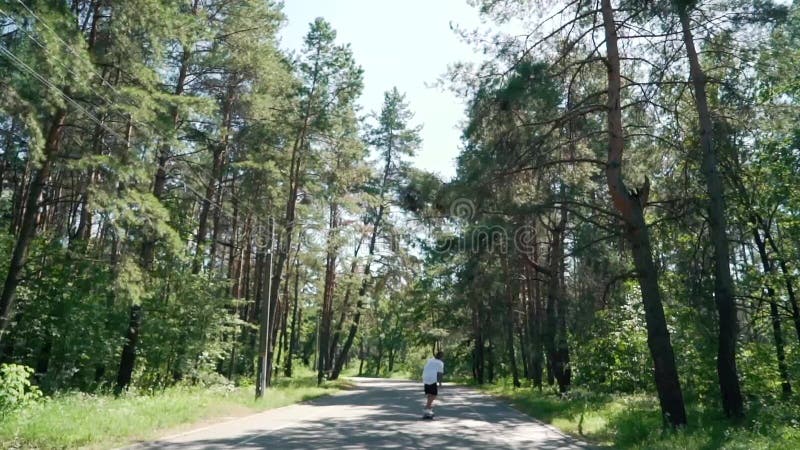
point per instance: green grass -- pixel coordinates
(89, 421)
(633, 421)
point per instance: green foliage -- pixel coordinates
(188, 130)
(169, 347)
(99, 421)
(614, 357)
(74, 334)
(16, 389)
(633, 422)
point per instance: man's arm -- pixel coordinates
(439, 376)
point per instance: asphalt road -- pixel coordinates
(379, 414)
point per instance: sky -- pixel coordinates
(407, 44)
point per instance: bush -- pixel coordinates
(16, 389)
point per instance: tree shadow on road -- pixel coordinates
(381, 414)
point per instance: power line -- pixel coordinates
(103, 81)
(109, 103)
(21, 64)
(68, 46)
(49, 84)
(39, 43)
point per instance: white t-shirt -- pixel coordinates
(432, 367)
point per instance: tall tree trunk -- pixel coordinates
(286, 340)
(556, 339)
(286, 242)
(510, 327)
(522, 350)
(379, 357)
(324, 363)
(337, 368)
(295, 331)
(308, 349)
(788, 279)
(477, 352)
(219, 153)
(337, 334)
(490, 359)
(774, 314)
(18, 198)
(732, 402)
(351, 335)
(264, 306)
(295, 181)
(84, 227)
(247, 293)
(28, 225)
(215, 228)
(535, 326)
(234, 268)
(361, 357)
(278, 305)
(278, 325)
(630, 206)
(128, 357)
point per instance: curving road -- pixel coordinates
(379, 414)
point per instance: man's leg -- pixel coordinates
(431, 397)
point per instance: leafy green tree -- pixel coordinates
(394, 139)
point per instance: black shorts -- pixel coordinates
(432, 389)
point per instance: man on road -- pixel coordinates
(432, 375)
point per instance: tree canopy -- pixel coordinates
(182, 201)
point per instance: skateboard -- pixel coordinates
(427, 416)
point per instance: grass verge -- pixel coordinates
(99, 421)
(633, 421)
